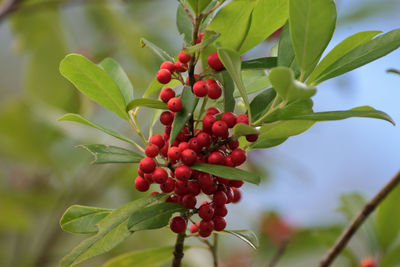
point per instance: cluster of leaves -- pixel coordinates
(281, 108)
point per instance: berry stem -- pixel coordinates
(136, 126)
(178, 251)
(203, 107)
(214, 250)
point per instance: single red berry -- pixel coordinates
(206, 225)
(212, 110)
(157, 140)
(222, 181)
(168, 65)
(166, 94)
(206, 212)
(178, 224)
(237, 195)
(208, 122)
(141, 184)
(204, 139)
(147, 165)
(204, 233)
(220, 198)
(252, 137)
(228, 161)
(242, 119)
(216, 158)
(233, 144)
(160, 176)
(181, 187)
(200, 38)
(167, 131)
(154, 193)
(238, 156)
(168, 186)
(368, 262)
(194, 188)
(229, 118)
(189, 201)
(183, 135)
(166, 118)
(151, 150)
(214, 91)
(229, 193)
(164, 150)
(163, 76)
(183, 173)
(200, 88)
(174, 199)
(149, 177)
(210, 189)
(236, 183)
(174, 153)
(180, 66)
(194, 228)
(183, 57)
(221, 211)
(214, 61)
(175, 104)
(188, 157)
(183, 145)
(140, 172)
(220, 128)
(219, 223)
(205, 179)
(193, 144)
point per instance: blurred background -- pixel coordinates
(41, 173)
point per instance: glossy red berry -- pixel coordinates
(174, 153)
(200, 38)
(236, 183)
(205, 179)
(178, 224)
(174, 199)
(183, 173)
(206, 212)
(188, 157)
(147, 165)
(237, 195)
(194, 228)
(160, 176)
(229, 118)
(252, 137)
(200, 88)
(238, 156)
(151, 150)
(183, 145)
(168, 65)
(189, 201)
(180, 66)
(233, 144)
(203, 139)
(214, 61)
(206, 226)
(221, 211)
(219, 223)
(216, 158)
(157, 140)
(214, 91)
(194, 144)
(141, 184)
(175, 104)
(242, 119)
(212, 111)
(166, 118)
(168, 186)
(194, 188)
(208, 122)
(183, 57)
(220, 198)
(166, 94)
(228, 161)
(368, 262)
(220, 128)
(164, 76)
(181, 187)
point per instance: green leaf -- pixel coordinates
(119, 76)
(228, 88)
(82, 219)
(158, 51)
(266, 142)
(341, 50)
(286, 57)
(242, 129)
(256, 85)
(267, 17)
(227, 172)
(284, 129)
(391, 258)
(111, 154)
(249, 237)
(154, 216)
(262, 103)
(312, 23)
(152, 257)
(184, 24)
(112, 231)
(208, 38)
(259, 63)
(362, 54)
(236, 14)
(155, 86)
(364, 111)
(232, 63)
(282, 79)
(94, 82)
(146, 102)
(79, 119)
(189, 102)
(295, 108)
(198, 5)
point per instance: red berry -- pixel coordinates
(151, 150)
(147, 165)
(237, 195)
(233, 144)
(174, 153)
(183, 57)
(174, 199)
(168, 186)
(236, 183)
(200, 88)
(183, 135)
(203, 139)
(164, 150)
(200, 38)
(206, 226)
(168, 65)
(157, 140)
(178, 224)
(252, 137)
(183, 173)
(212, 110)
(154, 193)
(242, 119)
(166, 94)
(175, 104)
(193, 144)
(163, 76)
(221, 211)
(160, 176)
(183, 145)
(189, 201)
(180, 66)
(228, 161)
(368, 262)
(194, 228)
(238, 156)
(181, 187)
(214, 91)
(229, 118)
(141, 184)
(220, 198)
(140, 172)
(219, 223)
(216, 158)
(205, 179)
(194, 188)
(210, 189)
(206, 212)
(220, 128)
(229, 193)
(166, 118)
(188, 157)
(208, 122)
(214, 61)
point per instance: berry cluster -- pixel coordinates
(211, 143)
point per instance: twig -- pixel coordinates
(203, 15)
(178, 251)
(347, 234)
(214, 250)
(278, 254)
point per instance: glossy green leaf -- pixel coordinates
(119, 76)
(189, 102)
(364, 111)
(158, 51)
(184, 24)
(198, 5)
(259, 63)
(227, 172)
(362, 54)
(79, 119)
(152, 257)
(340, 50)
(228, 88)
(111, 154)
(267, 17)
(255, 86)
(208, 38)
(155, 87)
(82, 219)
(247, 236)
(284, 129)
(286, 57)
(242, 129)
(312, 23)
(261, 103)
(262, 143)
(146, 102)
(94, 82)
(282, 79)
(112, 231)
(154, 216)
(296, 108)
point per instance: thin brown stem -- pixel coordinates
(278, 254)
(178, 251)
(203, 15)
(355, 224)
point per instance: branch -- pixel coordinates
(178, 251)
(348, 233)
(278, 254)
